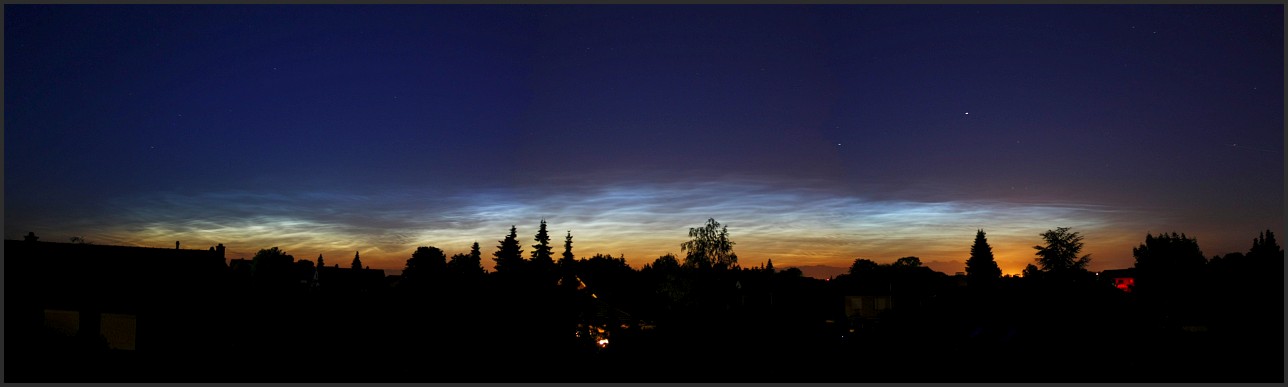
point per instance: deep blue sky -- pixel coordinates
(818, 134)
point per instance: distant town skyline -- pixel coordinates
(817, 133)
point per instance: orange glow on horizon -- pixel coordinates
(1011, 257)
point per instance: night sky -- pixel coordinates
(817, 134)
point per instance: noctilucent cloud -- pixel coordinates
(818, 134)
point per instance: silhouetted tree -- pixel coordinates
(769, 265)
(907, 262)
(454, 261)
(508, 255)
(861, 265)
(1166, 258)
(567, 265)
(1060, 254)
(666, 263)
(1260, 313)
(908, 276)
(272, 266)
(303, 271)
(1263, 269)
(1265, 247)
(981, 268)
(1031, 271)
(317, 270)
(270, 261)
(792, 272)
(1165, 252)
(1227, 258)
(865, 276)
(567, 258)
(605, 274)
(709, 247)
(905, 280)
(1168, 269)
(467, 264)
(541, 252)
(426, 264)
(357, 262)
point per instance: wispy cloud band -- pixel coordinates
(801, 225)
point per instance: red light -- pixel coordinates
(1125, 283)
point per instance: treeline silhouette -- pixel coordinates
(547, 316)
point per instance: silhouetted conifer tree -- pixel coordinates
(476, 257)
(981, 268)
(1265, 247)
(769, 265)
(320, 262)
(568, 258)
(567, 264)
(541, 256)
(1264, 267)
(357, 262)
(508, 255)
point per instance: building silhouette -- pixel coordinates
(116, 298)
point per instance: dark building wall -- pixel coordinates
(173, 292)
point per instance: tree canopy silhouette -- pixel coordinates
(1264, 246)
(270, 262)
(861, 265)
(665, 263)
(426, 264)
(272, 268)
(1031, 271)
(907, 262)
(1168, 255)
(709, 247)
(467, 264)
(1168, 269)
(357, 261)
(1060, 253)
